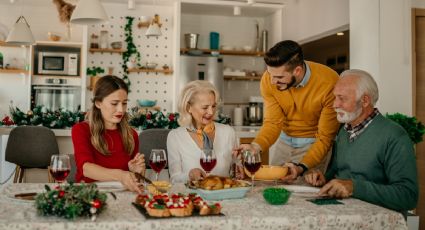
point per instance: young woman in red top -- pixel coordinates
(105, 146)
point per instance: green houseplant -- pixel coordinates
(413, 127)
(94, 72)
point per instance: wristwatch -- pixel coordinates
(303, 166)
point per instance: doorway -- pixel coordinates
(418, 60)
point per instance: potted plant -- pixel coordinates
(93, 73)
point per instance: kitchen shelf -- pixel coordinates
(5, 44)
(227, 52)
(92, 50)
(14, 71)
(164, 71)
(242, 78)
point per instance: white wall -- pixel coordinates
(380, 43)
(307, 20)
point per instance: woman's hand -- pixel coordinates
(239, 173)
(137, 164)
(129, 180)
(196, 174)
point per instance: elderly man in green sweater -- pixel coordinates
(373, 157)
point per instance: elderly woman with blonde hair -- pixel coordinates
(197, 107)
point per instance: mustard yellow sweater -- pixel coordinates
(301, 112)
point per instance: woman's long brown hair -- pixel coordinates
(104, 87)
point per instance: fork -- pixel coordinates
(141, 177)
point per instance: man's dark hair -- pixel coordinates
(285, 53)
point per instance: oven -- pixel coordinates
(55, 93)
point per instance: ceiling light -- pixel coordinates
(154, 27)
(236, 10)
(340, 33)
(21, 33)
(89, 12)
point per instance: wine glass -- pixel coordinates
(157, 160)
(60, 167)
(252, 162)
(208, 160)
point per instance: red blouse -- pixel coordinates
(85, 152)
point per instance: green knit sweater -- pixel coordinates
(380, 162)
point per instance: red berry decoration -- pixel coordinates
(61, 193)
(96, 204)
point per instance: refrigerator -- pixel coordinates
(208, 68)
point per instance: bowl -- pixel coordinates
(146, 103)
(53, 37)
(269, 172)
(116, 45)
(276, 196)
(150, 65)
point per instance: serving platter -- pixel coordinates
(143, 211)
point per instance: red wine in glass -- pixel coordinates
(157, 160)
(208, 164)
(60, 175)
(157, 166)
(252, 167)
(60, 167)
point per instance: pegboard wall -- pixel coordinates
(152, 86)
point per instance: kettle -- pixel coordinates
(254, 113)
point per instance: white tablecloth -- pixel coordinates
(251, 212)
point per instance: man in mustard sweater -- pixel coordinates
(373, 156)
(298, 110)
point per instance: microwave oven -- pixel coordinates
(58, 63)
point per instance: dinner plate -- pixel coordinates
(110, 186)
(301, 188)
(223, 194)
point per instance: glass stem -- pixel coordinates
(157, 174)
(252, 183)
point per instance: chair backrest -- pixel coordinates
(152, 139)
(31, 146)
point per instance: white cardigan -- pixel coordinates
(184, 153)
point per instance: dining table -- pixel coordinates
(250, 212)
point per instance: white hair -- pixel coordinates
(365, 84)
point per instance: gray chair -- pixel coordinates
(153, 139)
(71, 176)
(30, 147)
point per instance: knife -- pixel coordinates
(141, 177)
(26, 196)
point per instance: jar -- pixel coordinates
(94, 41)
(103, 39)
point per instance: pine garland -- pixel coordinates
(131, 49)
(71, 201)
(58, 119)
(413, 127)
(151, 120)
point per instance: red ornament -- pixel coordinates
(171, 117)
(57, 187)
(96, 204)
(61, 193)
(7, 121)
(148, 116)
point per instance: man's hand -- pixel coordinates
(238, 150)
(337, 188)
(294, 172)
(315, 178)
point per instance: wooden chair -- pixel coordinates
(30, 147)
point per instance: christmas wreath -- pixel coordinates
(152, 120)
(71, 201)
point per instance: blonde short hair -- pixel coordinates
(188, 95)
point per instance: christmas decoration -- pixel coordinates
(6, 121)
(131, 49)
(151, 120)
(71, 201)
(58, 119)
(413, 127)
